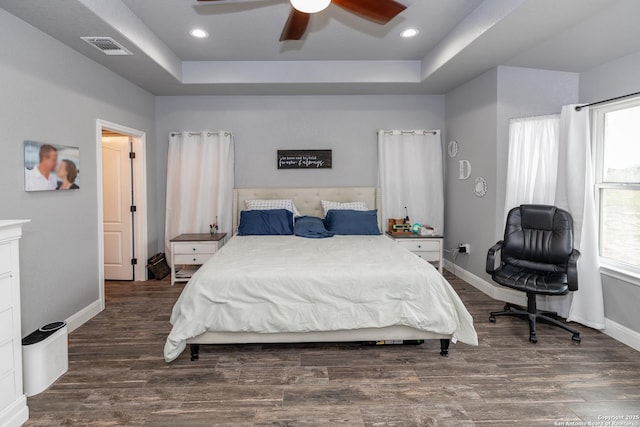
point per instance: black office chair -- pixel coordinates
(537, 258)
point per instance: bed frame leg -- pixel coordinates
(195, 351)
(444, 347)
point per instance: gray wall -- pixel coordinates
(615, 78)
(52, 94)
(471, 120)
(263, 124)
(611, 79)
(478, 115)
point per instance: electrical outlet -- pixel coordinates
(464, 248)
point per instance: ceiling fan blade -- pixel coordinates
(296, 25)
(378, 11)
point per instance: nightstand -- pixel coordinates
(190, 251)
(429, 248)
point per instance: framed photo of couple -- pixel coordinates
(51, 167)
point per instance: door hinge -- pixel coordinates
(132, 208)
(132, 155)
(134, 261)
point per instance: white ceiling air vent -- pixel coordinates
(107, 45)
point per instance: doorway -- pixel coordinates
(118, 206)
(122, 203)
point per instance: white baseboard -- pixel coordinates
(496, 292)
(615, 330)
(83, 316)
(621, 333)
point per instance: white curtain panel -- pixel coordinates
(533, 161)
(200, 181)
(410, 174)
(575, 193)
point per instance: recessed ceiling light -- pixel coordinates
(199, 33)
(409, 32)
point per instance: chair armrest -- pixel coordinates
(491, 257)
(572, 270)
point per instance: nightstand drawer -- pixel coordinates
(429, 256)
(195, 248)
(420, 245)
(194, 259)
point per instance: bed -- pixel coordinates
(287, 289)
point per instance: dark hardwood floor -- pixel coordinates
(117, 376)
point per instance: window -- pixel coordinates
(617, 176)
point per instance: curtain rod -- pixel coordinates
(410, 132)
(225, 133)
(580, 107)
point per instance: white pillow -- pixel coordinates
(265, 205)
(352, 206)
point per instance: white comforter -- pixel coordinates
(272, 284)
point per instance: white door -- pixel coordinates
(118, 225)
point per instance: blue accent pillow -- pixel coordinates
(349, 222)
(311, 227)
(273, 222)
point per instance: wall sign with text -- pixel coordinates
(305, 159)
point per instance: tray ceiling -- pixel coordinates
(341, 53)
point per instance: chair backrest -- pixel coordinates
(538, 237)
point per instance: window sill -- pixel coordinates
(619, 273)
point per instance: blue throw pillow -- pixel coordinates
(348, 222)
(272, 222)
(311, 227)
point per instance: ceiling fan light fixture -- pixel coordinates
(409, 32)
(310, 6)
(199, 33)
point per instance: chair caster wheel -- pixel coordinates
(576, 338)
(533, 339)
(194, 357)
(492, 319)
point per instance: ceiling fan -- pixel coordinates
(378, 11)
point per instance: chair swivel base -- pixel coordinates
(534, 315)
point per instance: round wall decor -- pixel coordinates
(452, 148)
(480, 186)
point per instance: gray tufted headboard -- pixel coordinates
(307, 200)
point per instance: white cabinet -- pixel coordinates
(13, 403)
(429, 248)
(190, 251)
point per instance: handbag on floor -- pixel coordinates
(158, 267)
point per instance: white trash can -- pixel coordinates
(45, 357)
